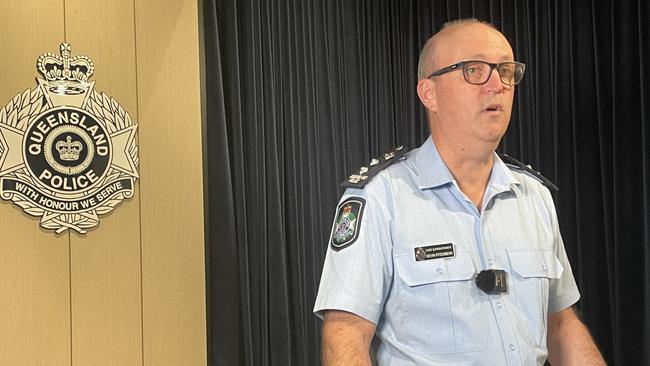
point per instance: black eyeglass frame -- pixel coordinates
(461, 66)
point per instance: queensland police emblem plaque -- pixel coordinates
(67, 152)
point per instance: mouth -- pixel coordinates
(494, 108)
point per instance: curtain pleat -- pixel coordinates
(300, 93)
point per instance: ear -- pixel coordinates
(427, 94)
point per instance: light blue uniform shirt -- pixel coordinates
(431, 312)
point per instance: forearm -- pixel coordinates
(569, 343)
(345, 342)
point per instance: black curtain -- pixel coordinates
(299, 93)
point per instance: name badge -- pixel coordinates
(434, 252)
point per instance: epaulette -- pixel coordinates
(359, 179)
(518, 165)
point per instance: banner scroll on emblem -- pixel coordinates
(68, 153)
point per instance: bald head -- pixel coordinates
(428, 62)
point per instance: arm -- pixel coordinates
(569, 341)
(346, 339)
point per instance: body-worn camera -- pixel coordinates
(492, 281)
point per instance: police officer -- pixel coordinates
(449, 254)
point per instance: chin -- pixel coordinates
(493, 135)
(496, 128)
(494, 141)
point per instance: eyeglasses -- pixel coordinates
(478, 72)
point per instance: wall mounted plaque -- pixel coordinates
(68, 153)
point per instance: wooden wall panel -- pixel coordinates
(106, 283)
(132, 290)
(171, 184)
(34, 263)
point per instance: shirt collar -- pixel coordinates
(501, 178)
(433, 172)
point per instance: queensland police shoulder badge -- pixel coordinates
(67, 152)
(347, 223)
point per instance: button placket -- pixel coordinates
(508, 333)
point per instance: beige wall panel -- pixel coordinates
(132, 290)
(171, 183)
(106, 282)
(34, 265)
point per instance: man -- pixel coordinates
(446, 254)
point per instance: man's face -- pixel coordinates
(465, 112)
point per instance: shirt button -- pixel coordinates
(499, 304)
(544, 268)
(491, 262)
(440, 272)
(511, 347)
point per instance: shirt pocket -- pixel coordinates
(438, 304)
(532, 271)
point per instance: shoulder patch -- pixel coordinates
(365, 173)
(515, 164)
(347, 223)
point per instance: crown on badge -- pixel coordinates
(65, 74)
(69, 150)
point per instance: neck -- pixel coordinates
(470, 165)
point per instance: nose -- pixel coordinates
(494, 82)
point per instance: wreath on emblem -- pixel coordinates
(67, 152)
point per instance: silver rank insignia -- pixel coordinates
(67, 152)
(360, 178)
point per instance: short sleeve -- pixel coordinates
(563, 292)
(356, 277)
